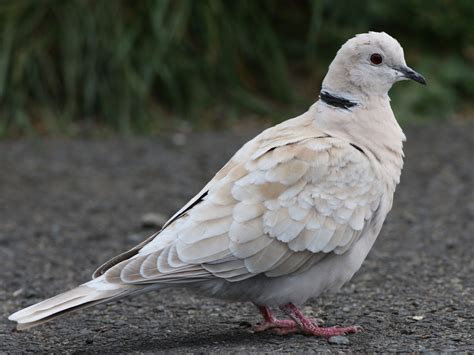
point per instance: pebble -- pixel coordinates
(18, 292)
(339, 340)
(179, 139)
(153, 220)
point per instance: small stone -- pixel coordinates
(417, 318)
(308, 310)
(339, 340)
(153, 220)
(179, 139)
(18, 292)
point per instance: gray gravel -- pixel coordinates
(68, 205)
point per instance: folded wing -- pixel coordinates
(276, 210)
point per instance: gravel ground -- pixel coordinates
(68, 205)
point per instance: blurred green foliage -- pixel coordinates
(140, 66)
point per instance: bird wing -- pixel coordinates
(279, 206)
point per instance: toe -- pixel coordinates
(355, 329)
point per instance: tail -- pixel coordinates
(86, 295)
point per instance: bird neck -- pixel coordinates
(335, 100)
(371, 125)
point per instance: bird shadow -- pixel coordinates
(201, 339)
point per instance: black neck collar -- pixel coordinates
(336, 101)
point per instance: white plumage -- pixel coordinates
(292, 214)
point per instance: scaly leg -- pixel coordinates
(309, 327)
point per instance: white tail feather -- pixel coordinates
(85, 295)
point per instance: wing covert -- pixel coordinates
(277, 212)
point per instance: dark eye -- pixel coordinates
(376, 58)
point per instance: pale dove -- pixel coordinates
(292, 214)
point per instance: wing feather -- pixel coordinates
(245, 250)
(266, 258)
(279, 206)
(204, 250)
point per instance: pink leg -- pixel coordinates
(270, 322)
(307, 326)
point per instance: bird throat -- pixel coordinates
(336, 101)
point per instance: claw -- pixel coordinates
(357, 329)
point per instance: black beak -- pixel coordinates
(409, 73)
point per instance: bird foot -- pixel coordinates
(309, 327)
(279, 326)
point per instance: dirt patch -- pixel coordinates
(68, 205)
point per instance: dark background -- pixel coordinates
(94, 67)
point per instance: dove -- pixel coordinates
(291, 215)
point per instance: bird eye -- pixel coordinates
(376, 58)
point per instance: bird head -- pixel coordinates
(369, 64)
